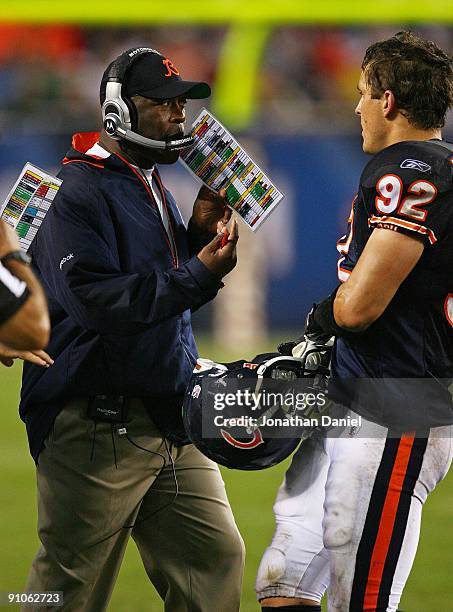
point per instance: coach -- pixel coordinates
(24, 319)
(122, 274)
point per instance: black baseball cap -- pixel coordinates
(155, 76)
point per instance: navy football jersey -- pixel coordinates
(407, 188)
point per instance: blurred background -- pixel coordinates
(287, 91)
(299, 125)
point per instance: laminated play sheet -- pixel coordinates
(219, 161)
(28, 202)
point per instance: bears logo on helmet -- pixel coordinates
(244, 439)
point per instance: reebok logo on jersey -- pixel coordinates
(65, 259)
(415, 164)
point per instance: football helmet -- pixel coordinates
(243, 414)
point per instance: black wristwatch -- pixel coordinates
(20, 256)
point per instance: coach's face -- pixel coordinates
(372, 118)
(159, 120)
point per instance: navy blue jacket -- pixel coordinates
(119, 298)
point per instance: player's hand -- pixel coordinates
(209, 210)
(313, 334)
(314, 352)
(38, 357)
(312, 330)
(220, 256)
(9, 240)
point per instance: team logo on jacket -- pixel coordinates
(415, 164)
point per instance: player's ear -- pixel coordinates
(388, 103)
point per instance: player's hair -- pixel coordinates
(419, 74)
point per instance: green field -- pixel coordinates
(251, 495)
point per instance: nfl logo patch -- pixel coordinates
(196, 391)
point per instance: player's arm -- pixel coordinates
(409, 211)
(29, 327)
(24, 322)
(386, 261)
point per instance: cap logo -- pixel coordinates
(171, 68)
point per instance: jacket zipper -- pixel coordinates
(164, 202)
(191, 358)
(174, 254)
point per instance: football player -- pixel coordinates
(348, 512)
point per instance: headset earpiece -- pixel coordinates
(111, 125)
(114, 105)
(115, 102)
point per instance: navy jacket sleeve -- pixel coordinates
(76, 252)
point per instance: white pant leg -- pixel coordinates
(296, 564)
(436, 463)
(375, 490)
(343, 485)
(353, 463)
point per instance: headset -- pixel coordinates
(119, 113)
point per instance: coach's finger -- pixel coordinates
(234, 231)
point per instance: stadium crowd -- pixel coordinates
(307, 81)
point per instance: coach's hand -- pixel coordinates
(7, 357)
(219, 256)
(9, 241)
(209, 210)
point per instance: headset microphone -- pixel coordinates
(114, 129)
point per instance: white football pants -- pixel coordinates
(348, 517)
